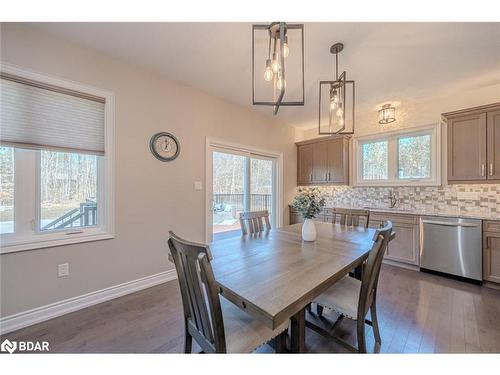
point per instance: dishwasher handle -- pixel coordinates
(452, 224)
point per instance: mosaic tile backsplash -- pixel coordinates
(485, 198)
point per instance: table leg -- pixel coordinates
(298, 332)
(358, 272)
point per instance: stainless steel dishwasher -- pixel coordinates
(452, 246)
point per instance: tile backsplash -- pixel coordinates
(473, 198)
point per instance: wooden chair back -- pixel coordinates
(371, 268)
(253, 222)
(200, 295)
(350, 217)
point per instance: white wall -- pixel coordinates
(151, 197)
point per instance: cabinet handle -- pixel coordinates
(491, 169)
(483, 167)
(328, 176)
(311, 177)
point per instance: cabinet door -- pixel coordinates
(491, 258)
(304, 164)
(493, 147)
(320, 162)
(338, 162)
(404, 247)
(467, 147)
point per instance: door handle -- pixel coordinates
(491, 169)
(445, 223)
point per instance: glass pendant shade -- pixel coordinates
(387, 114)
(336, 102)
(278, 65)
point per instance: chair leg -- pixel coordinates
(376, 332)
(319, 310)
(361, 336)
(188, 343)
(281, 342)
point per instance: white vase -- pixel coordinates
(308, 230)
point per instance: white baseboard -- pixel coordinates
(26, 318)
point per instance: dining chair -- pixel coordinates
(353, 298)
(253, 221)
(217, 325)
(350, 217)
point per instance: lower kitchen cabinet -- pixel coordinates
(491, 251)
(404, 248)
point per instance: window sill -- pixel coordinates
(54, 240)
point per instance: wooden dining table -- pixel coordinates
(274, 275)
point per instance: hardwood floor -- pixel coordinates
(418, 313)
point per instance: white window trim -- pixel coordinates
(213, 144)
(392, 136)
(106, 228)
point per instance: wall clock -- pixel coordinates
(164, 146)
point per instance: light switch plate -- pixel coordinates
(198, 185)
(62, 269)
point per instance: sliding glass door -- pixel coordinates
(241, 181)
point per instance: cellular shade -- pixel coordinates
(39, 116)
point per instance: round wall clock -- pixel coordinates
(164, 146)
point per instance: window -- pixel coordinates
(414, 156)
(6, 190)
(375, 166)
(406, 157)
(68, 187)
(56, 140)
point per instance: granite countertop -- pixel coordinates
(432, 212)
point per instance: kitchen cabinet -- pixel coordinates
(323, 161)
(491, 251)
(304, 164)
(404, 248)
(473, 143)
(320, 162)
(295, 217)
(493, 144)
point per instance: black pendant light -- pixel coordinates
(336, 101)
(278, 65)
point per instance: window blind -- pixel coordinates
(39, 116)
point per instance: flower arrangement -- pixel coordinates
(308, 202)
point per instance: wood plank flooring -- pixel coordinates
(418, 313)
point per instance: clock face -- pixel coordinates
(164, 146)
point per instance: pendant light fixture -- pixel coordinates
(387, 114)
(336, 101)
(278, 65)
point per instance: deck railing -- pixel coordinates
(258, 202)
(82, 216)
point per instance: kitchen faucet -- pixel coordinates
(393, 200)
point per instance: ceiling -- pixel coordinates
(388, 61)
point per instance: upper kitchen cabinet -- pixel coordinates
(474, 144)
(493, 144)
(304, 164)
(323, 161)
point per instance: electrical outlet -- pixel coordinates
(62, 269)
